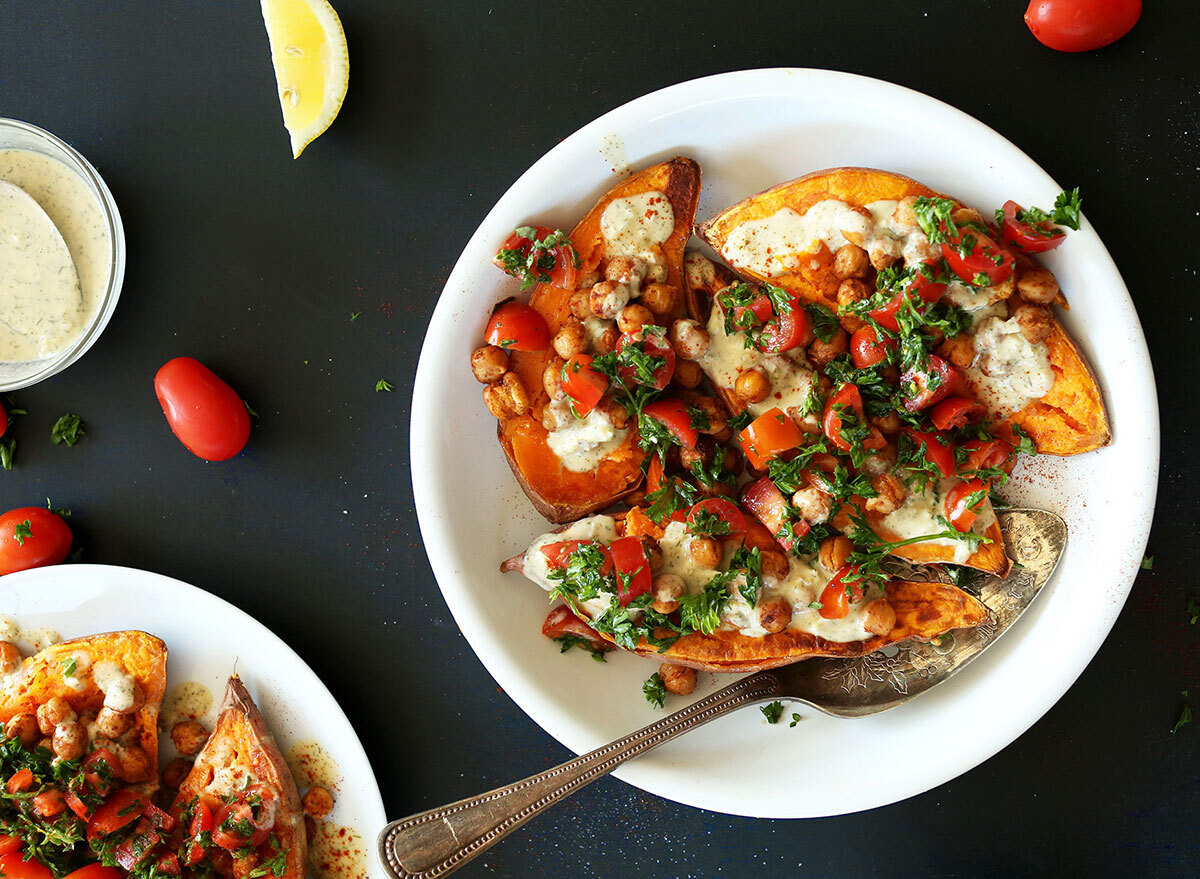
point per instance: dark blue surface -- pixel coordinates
(254, 263)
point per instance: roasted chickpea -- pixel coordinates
(112, 723)
(822, 353)
(10, 657)
(851, 262)
(705, 552)
(607, 340)
(905, 215)
(608, 298)
(189, 737)
(70, 740)
(689, 339)
(851, 323)
(317, 802)
(687, 373)
(627, 270)
(959, 351)
(880, 461)
(656, 265)
(633, 317)
(890, 494)
(137, 700)
(572, 339)
(23, 727)
(552, 378)
(1035, 322)
(888, 425)
(54, 711)
(702, 454)
(883, 252)
(775, 565)
(667, 589)
(135, 764)
(774, 613)
(724, 435)
(718, 420)
(246, 867)
(1037, 285)
(588, 281)
(879, 617)
(813, 505)
(752, 385)
(489, 363)
(581, 302)
(506, 398)
(677, 679)
(662, 299)
(175, 772)
(966, 216)
(834, 552)
(635, 498)
(851, 291)
(614, 412)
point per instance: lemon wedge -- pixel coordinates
(312, 65)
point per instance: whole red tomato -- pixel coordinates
(31, 537)
(205, 413)
(1081, 25)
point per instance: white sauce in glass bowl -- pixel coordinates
(44, 319)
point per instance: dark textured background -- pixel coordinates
(253, 263)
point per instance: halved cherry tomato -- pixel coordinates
(630, 560)
(924, 388)
(656, 346)
(977, 259)
(1029, 237)
(31, 537)
(583, 384)
(673, 415)
(787, 330)
(1081, 25)
(964, 501)
(232, 820)
(924, 285)
(564, 273)
(985, 454)
(835, 603)
(867, 348)
(98, 770)
(202, 816)
(768, 435)
(938, 449)
(205, 413)
(724, 510)
(21, 780)
(927, 290)
(76, 805)
(10, 844)
(516, 326)
(95, 871)
(760, 307)
(120, 809)
(14, 866)
(559, 622)
(846, 397)
(764, 499)
(954, 412)
(558, 555)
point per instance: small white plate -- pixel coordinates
(207, 640)
(751, 130)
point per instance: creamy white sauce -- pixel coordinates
(82, 660)
(776, 245)
(115, 684)
(1008, 372)
(632, 226)
(582, 443)
(918, 516)
(45, 318)
(29, 639)
(596, 327)
(602, 529)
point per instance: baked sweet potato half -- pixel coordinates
(772, 237)
(561, 494)
(242, 783)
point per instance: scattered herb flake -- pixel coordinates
(655, 690)
(69, 667)
(384, 385)
(1193, 609)
(8, 449)
(354, 316)
(1147, 563)
(68, 429)
(772, 711)
(796, 718)
(1185, 715)
(22, 531)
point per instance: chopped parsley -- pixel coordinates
(534, 258)
(384, 385)
(568, 641)
(706, 523)
(674, 495)
(772, 711)
(354, 316)
(824, 322)
(1147, 563)
(796, 718)
(655, 690)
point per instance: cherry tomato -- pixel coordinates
(964, 501)
(49, 803)
(764, 499)
(120, 809)
(977, 259)
(985, 454)
(846, 397)
(99, 778)
(565, 271)
(45, 540)
(954, 412)
(583, 384)
(14, 866)
(788, 330)
(656, 346)
(673, 415)
(867, 348)
(232, 819)
(95, 871)
(1081, 25)
(924, 388)
(515, 326)
(558, 555)
(924, 285)
(629, 559)
(761, 308)
(1029, 237)
(21, 780)
(559, 622)
(205, 413)
(938, 449)
(3, 419)
(76, 805)
(835, 603)
(724, 510)
(10, 844)
(768, 435)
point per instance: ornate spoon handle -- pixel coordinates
(437, 842)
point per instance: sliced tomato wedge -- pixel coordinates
(673, 415)
(516, 326)
(139, 849)
(656, 346)
(122, 808)
(985, 454)
(938, 449)
(724, 510)
(847, 396)
(764, 499)
(14, 866)
(956, 411)
(867, 348)
(562, 621)
(924, 388)
(761, 309)
(835, 603)
(924, 285)
(564, 273)
(10, 844)
(20, 781)
(787, 330)
(964, 501)
(768, 435)
(49, 803)
(583, 384)
(1029, 237)
(631, 562)
(977, 259)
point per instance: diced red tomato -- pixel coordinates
(14, 866)
(985, 454)
(558, 555)
(120, 809)
(656, 346)
(977, 259)
(202, 815)
(96, 871)
(583, 384)
(630, 559)
(516, 326)
(835, 603)
(1029, 237)
(559, 622)
(98, 770)
(768, 435)
(140, 848)
(957, 411)
(846, 397)
(964, 501)
(10, 844)
(49, 803)
(21, 780)
(168, 864)
(724, 510)
(240, 814)
(655, 479)
(924, 388)
(938, 449)
(564, 274)
(158, 818)
(787, 330)
(673, 415)
(867, 348)
(928, 291)
(764, 499)
(76, 805)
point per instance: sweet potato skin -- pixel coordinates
(1069, 420)
(139, 655)
(559, 494)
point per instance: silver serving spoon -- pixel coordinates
(439, 841)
